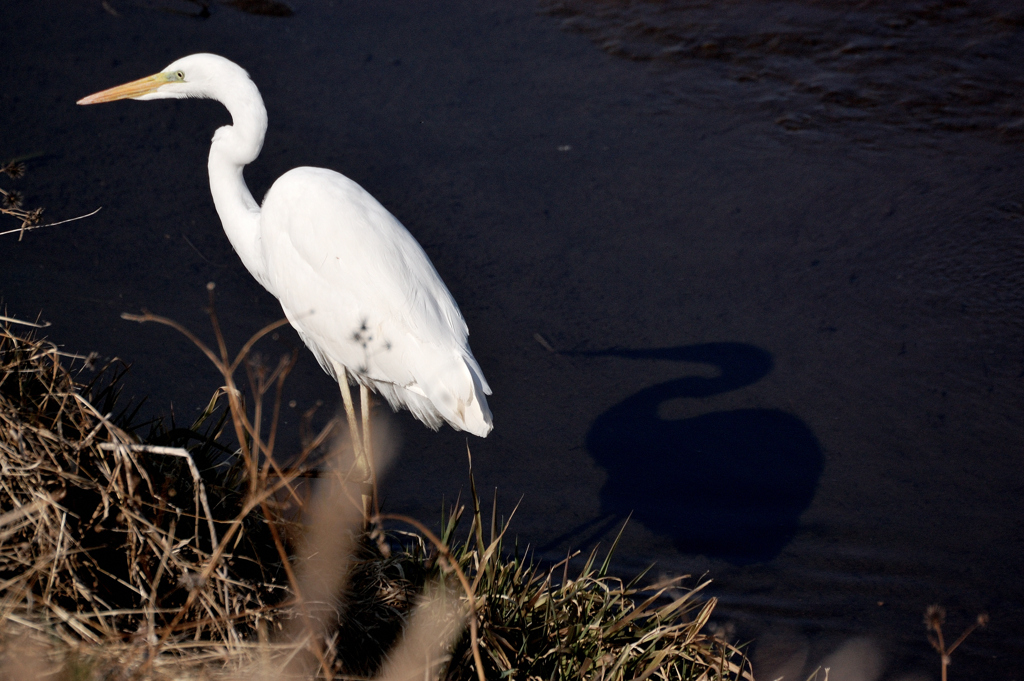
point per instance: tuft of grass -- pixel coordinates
(557, 623)
(176, 555)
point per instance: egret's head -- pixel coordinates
(197, 75)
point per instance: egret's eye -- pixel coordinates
(180, 75)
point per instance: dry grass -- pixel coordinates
(107, 541)
(555, 623)
(12, 204)
(177, 556)
(11, 200)
(934, 618)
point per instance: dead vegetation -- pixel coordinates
(175, 555)
(934, 618)
(12, 200)
(12, 204)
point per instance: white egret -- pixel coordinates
(353, 282)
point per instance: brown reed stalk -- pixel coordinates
(934, 618)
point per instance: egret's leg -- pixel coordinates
(365, 404)
(357, 447)
(350, 413)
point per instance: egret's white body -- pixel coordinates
(353, 282)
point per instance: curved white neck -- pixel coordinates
(234, 146)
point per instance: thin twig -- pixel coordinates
(25, 227)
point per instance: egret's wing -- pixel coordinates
(354, 282)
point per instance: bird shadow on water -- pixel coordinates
(726, 484)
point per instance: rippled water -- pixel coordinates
(932, 65)
(936, 78)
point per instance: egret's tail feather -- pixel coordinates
(418, 405)
(458, 395)
(477, 418)
(444, 404)
(476, 414)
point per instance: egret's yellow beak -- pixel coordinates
(136, 88)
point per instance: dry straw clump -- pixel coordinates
(107, 541)
(176, 556)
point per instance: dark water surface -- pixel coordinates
(926, 65)
(777, 246)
